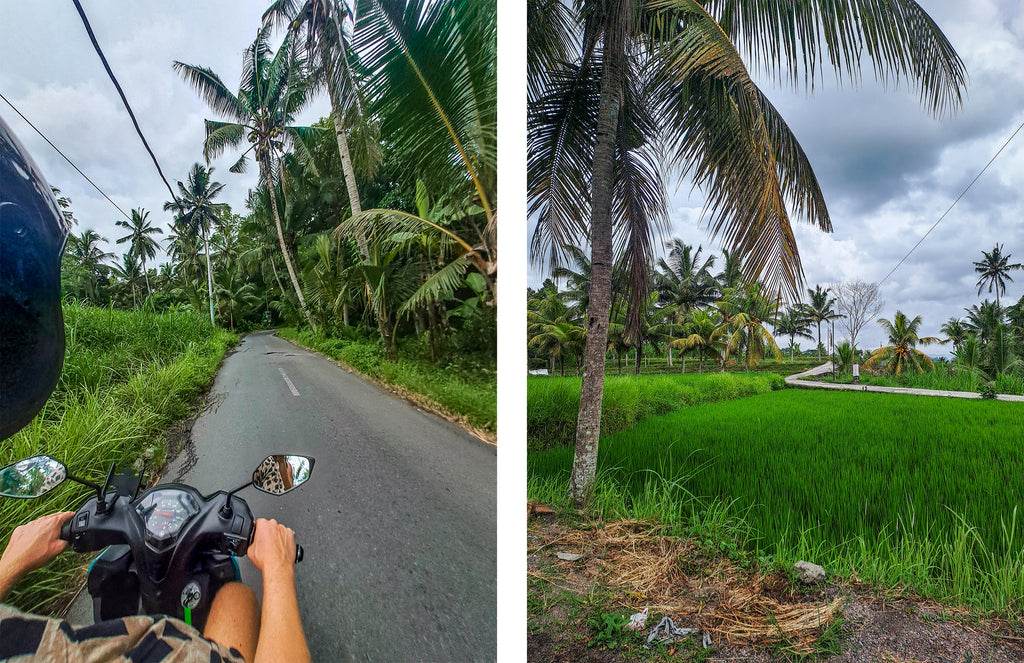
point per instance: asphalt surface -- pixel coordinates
(398, 520)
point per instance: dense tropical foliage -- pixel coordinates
(375, 224)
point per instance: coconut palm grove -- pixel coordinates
(665, 407)
(371, 229)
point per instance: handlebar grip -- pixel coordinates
(65, 529)
(298, 553)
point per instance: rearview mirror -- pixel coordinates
(31, 477)
(281, 473)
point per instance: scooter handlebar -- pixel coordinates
(65, 529)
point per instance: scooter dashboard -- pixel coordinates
(165, 511)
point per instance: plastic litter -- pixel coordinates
(637, 621)
(569, 557)
(667, 631)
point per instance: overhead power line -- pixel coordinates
(99, 51)
(94, 185)
(976, 177)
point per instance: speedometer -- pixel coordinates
(165, 512)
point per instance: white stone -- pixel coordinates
(808, 573)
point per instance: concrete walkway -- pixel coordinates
(797, 381)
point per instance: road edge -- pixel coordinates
(415, 398)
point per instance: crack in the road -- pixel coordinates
(280, 352)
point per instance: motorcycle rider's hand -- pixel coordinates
(273, 547)
(31, 547)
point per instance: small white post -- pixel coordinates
(856, 373)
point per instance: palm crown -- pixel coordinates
(902, 354)
(994, 270)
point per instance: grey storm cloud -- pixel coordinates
(52, 74)
(889, 170)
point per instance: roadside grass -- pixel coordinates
(553, 403)
(901, 490)
(127, 377)
(469, 392)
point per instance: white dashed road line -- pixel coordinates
(295, 392)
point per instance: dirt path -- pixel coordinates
(576, 606)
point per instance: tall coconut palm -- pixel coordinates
(984, 320)
(956, 331)
(142, 244)
(322, 27)
(731, 275)
(704, 331)
(793, 323)
(684, 280)
(902, 354)
(577, 280)
(198, 214)
(994, 270)
(820, 309)
(273, 90)
(85, 250)
(615, 84)
(129, 272)
(749, 312)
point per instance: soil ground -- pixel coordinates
(577, 607)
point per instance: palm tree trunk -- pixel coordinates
(209, 275)
(265, 167)
(588, 428)
(347, 170)
(145, 273)
(819, 341)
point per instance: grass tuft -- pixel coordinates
(127, 377)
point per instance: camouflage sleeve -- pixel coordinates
(25, 637)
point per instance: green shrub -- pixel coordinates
(553, 403)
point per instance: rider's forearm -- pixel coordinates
(281, 636)
(7, 581)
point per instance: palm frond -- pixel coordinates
(440, 286)
(899, 37)
(212, 90)
(220, 136)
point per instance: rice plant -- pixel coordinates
(903, 489)
(553, 403)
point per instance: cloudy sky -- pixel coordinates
(889, 170)
(52, 74)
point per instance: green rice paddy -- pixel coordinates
(918, 490)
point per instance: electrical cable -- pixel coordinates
(951, 206)
(29, 122)
(138, 130)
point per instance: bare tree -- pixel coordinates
(859, 302)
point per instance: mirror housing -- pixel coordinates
(282, 473)
(31, 477)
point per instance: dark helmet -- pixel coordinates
(32, 236)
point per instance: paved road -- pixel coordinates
(798, 381)
(398, 520)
